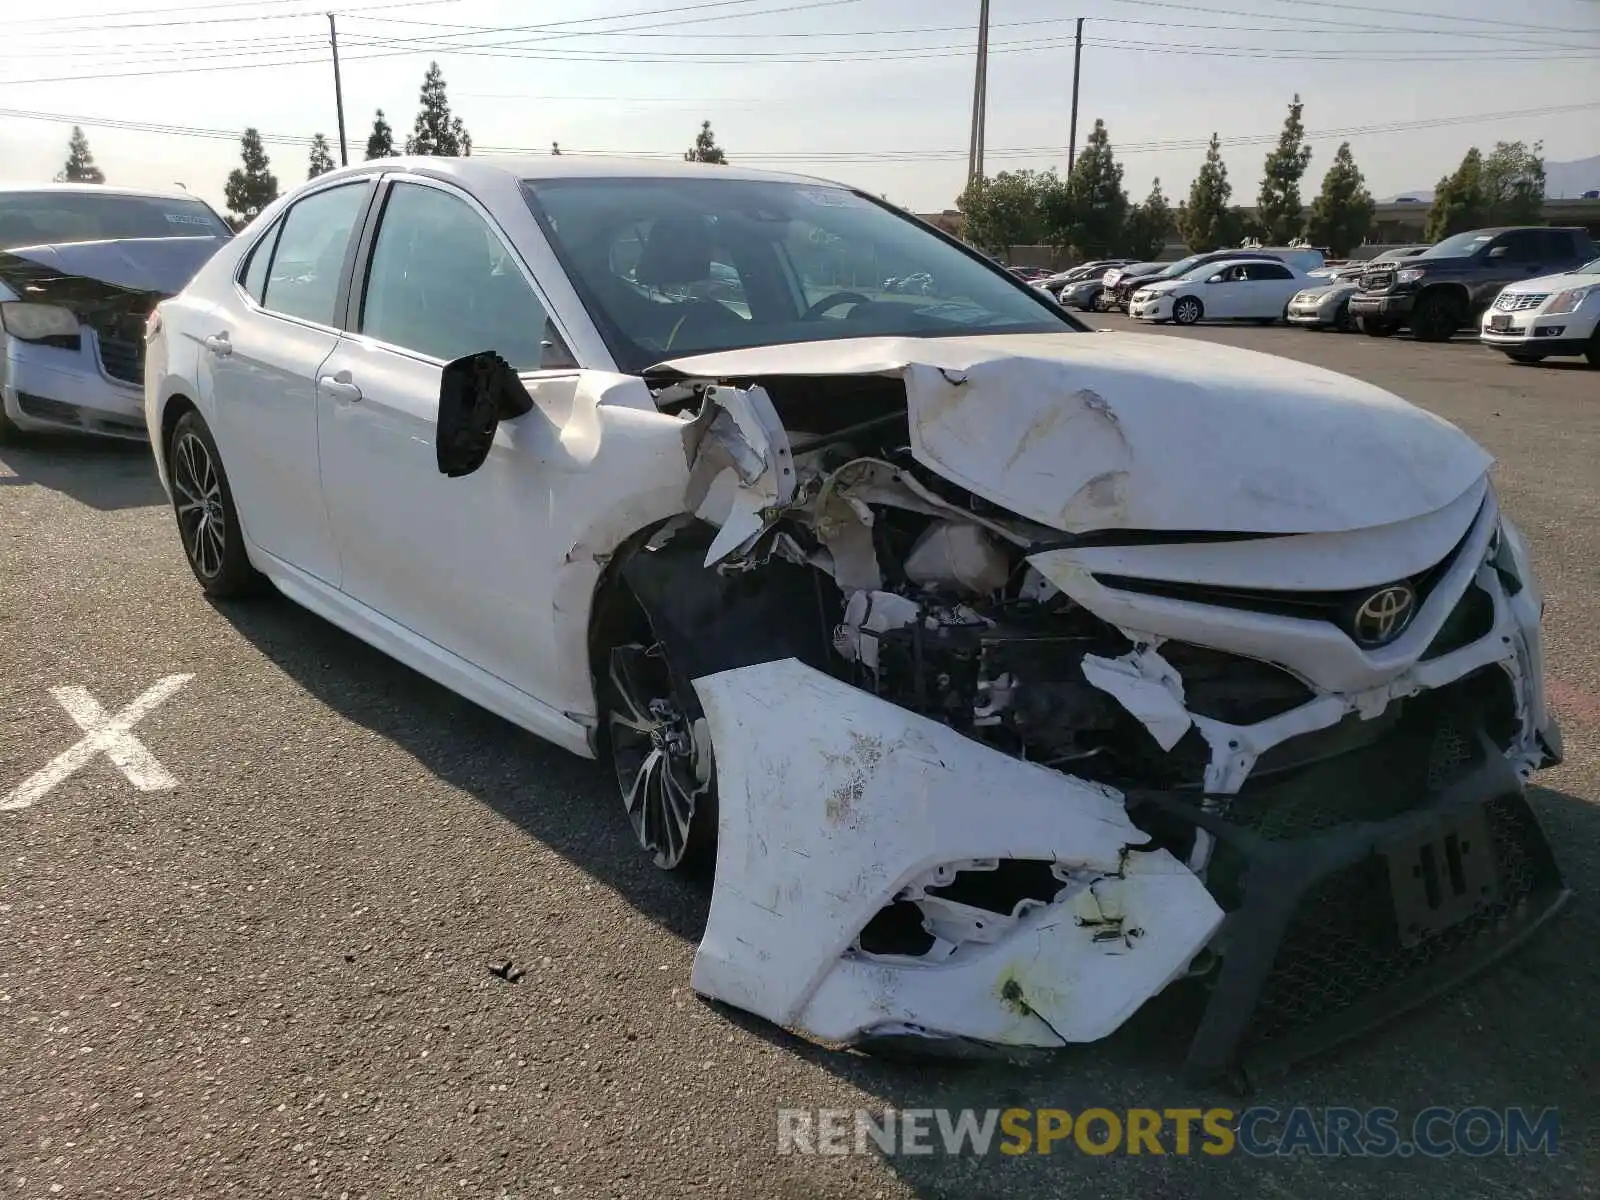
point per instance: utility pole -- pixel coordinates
(1077, 61)
(338, 90)
(980, 93)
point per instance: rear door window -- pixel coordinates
(308, 261)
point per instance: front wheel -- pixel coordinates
(1592, 353)
(1377, 327)
(1518, 356)
(1436, 318)
(208, 522)
(660, 751)
(1187, 311)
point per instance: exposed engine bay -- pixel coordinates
(1061, 774)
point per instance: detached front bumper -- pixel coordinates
(47, 389)
(882, 877)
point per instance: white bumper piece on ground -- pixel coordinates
(835, 803)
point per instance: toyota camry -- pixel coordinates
(1004, 674)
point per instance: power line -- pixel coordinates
(97, 21)
(1391, 11)
(858, 156)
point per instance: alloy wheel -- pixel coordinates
(1186, 311)
(202, 516)
(661, 757)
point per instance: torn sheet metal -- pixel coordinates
(1147, 686)
(741, 473)
(824, 822)
(1082, 433)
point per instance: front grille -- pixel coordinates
(1344, 944)
(1520, 301)
(1334, 607)
(1421, 747)
(121, 344)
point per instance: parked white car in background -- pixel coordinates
(1554, 316)
(1221, 291)
(987, 658)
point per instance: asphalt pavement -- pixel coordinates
(255, 943)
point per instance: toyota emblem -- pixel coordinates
(1384, 615)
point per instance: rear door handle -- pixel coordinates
(218, 343)
(339, 386)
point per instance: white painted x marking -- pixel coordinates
(102, 734)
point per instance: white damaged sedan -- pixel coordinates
(1008, 674)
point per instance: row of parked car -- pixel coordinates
(1531, 292)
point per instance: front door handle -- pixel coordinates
(339, 386)
(218, 344)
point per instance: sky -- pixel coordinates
(875, 93)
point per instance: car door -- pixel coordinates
(264, 348)
(1271, 285)
(462, 563)
(1227, 296)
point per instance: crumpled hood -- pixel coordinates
(160, 265)
(1146, 432)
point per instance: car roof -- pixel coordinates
(480, 169)
(98, 189)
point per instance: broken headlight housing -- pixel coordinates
(47, 323)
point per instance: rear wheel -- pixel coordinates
(1437, 317)
(1187, 310)
(208, 522)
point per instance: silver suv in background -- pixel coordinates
(81, 267)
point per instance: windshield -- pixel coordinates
(1459, 246)
(671, 267)
(45, 218)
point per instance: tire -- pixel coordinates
(208, 522)
(1592, 353)
(1437, 317)
(1377, 327)
(1341, 319)
(1518, 356)
(1187, 310)
(660, 753)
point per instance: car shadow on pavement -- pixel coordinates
(101, 473)
(1521, 1033)
(565, 802)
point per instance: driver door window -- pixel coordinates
(1521, 247)
(443, 284)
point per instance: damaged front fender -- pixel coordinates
(826, 823)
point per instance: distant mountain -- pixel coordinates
(1568, 180)
(1562, 181)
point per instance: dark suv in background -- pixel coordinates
(1449, 285)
